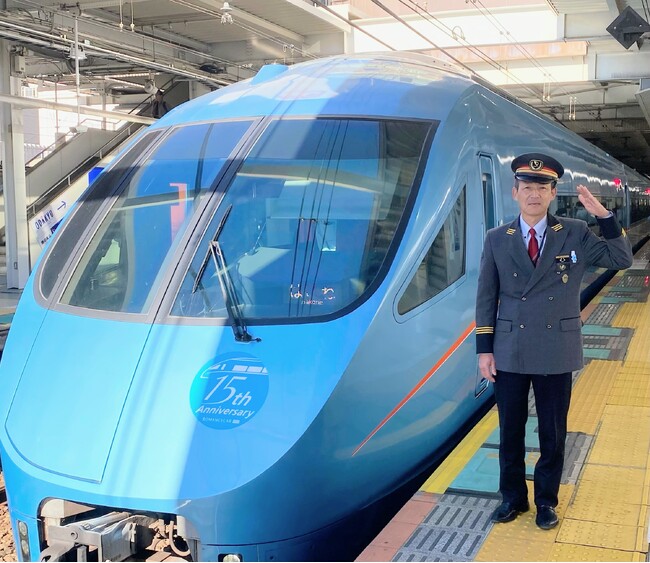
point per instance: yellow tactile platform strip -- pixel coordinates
(605, 518)
(590, 394)
(522, 540)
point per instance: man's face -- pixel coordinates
(534, 198)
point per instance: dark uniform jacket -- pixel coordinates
(528, 316)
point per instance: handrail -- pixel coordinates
(67, 180)
(45, 197)
(41, 156)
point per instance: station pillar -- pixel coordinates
(14, 182)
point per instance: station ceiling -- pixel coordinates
(126, 42)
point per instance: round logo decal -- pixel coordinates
(229, 390)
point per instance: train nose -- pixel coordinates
(71, 393)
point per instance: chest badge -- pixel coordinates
(565, 278)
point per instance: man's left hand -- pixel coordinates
(592, 205)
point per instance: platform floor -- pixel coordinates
(605, 491)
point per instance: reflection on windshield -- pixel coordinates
(127, 257)
(315, 207)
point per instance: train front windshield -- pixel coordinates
(312, 212)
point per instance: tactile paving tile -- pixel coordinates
(522, 540)
(623, 437)
(570, 552)
(601, 504)
(621, 480)
(631, 387)
(589, 395)
(629, 315)
(453, 531)
(598, 534)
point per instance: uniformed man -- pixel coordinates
(528, 326)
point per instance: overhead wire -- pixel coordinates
(522, 49)
(413, 5)
(449, 32)
(646, 10)
(354, 25)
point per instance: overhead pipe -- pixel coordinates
(21, 101)
(64, 44)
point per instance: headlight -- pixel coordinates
(23, 540)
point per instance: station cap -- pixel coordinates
(537, 167)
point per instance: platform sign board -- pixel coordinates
(47, 220)
(94, 172)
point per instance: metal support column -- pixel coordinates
(15, 187)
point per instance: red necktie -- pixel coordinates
(533, 246)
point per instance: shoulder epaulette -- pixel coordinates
(557, 227)
(510, 231)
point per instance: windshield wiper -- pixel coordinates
(206, 258)
(226, 283)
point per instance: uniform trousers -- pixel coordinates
(552, 397)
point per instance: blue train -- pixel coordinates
(259, 320)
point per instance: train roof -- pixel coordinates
(398, 85)
(392, 84)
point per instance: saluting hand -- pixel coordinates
(592, 205)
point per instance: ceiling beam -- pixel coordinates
(318, 11)
(614, 8)
(210, 7)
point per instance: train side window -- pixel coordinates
(443, 264)
(565, 206)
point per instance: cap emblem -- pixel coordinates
(536, 165)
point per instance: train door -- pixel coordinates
(490, 220)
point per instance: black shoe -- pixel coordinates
(546, 517)
(507, 512)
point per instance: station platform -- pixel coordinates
(604, 497)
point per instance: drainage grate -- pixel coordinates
(453, 531)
